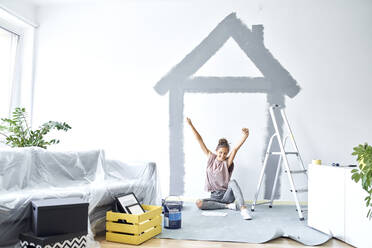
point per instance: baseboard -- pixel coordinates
(249, 202)
(277, 202)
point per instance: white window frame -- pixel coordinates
(16, 77)
(22, 85)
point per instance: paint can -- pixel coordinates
(172, 216)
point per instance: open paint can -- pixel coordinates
(172, 216)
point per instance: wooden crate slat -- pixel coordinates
(147, 225)
(133, 239)
(113, 216)
(122, 238)
(152, 212)
(120, 227)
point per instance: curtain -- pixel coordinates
(9, 80)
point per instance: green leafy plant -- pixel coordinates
(364, 172)
(18, 133)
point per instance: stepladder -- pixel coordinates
(283, 161)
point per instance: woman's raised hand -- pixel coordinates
(189, 121)
(198, 137)
(245, 132)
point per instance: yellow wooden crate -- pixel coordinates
(143, 226)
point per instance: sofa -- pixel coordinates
(28, 174)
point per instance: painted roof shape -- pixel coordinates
(250, 41)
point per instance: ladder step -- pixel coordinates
(300, 190)
(263, 203)
(279, 153)
(296, 171)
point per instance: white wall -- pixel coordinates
(98, 62)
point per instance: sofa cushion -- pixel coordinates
(115, 169)
(34, 167)
(60, 169)
(15, 168)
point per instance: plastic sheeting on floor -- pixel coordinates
(267, 224)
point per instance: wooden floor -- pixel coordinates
(167, 243)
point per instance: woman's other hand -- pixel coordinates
(245, 132)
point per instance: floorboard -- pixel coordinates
(171, 243)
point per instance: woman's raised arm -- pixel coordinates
(199, 138)
(235, 150)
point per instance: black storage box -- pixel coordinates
(75, 240)
(59, 216)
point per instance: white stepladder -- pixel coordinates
(282, 157)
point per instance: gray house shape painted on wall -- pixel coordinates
(276, 83)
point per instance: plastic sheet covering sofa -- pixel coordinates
(28, 174)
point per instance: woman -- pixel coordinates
(219, 169)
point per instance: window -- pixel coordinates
(16, 62)
(8, 48)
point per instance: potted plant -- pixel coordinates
(17, 132)
(364, 172)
